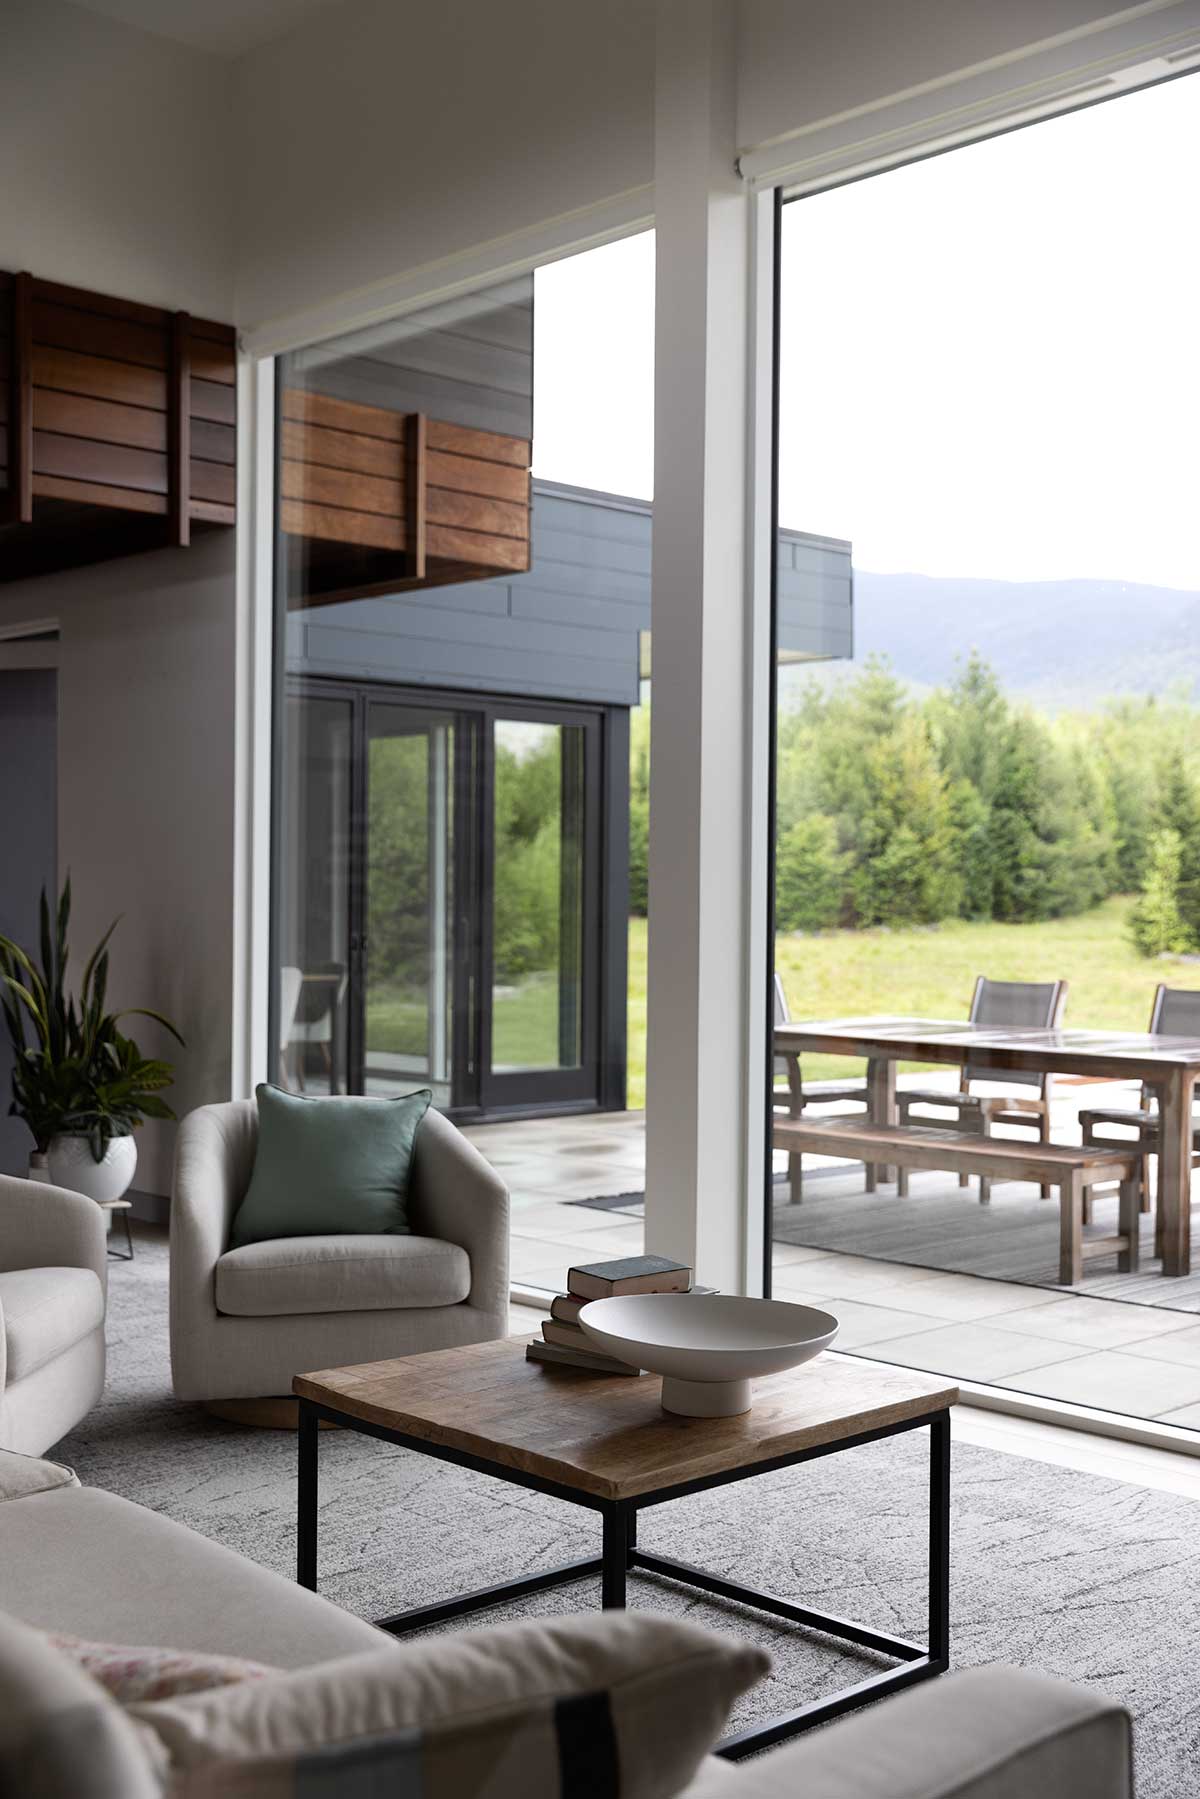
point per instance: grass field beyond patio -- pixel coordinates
(931, 972)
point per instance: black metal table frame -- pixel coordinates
(620, 1556)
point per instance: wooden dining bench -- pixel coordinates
(1073, 1171)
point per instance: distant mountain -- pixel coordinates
(1057, 644)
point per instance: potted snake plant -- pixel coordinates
(79, 1083)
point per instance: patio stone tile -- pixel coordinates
(1099, 1323)
(1182, 1347)
(1112, 1382)
(857, 1274)
(786, 1255)
(859, 1323)
(539, 1218)
(973, 1351)
(1188, 1416)
(958, 1297)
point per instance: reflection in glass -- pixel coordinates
(315, 927)
(409, 900)
(537, 916)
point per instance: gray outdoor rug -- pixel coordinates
(1052, 1569)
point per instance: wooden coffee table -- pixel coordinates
(603, 1442)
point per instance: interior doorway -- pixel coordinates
(441, 916)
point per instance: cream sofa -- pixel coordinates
(244, 1321)
(84, 1562)
(53, 1290)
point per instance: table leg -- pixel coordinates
(617, 1528)
(308, 1433)
(881, 1108)
(939, 1542)
(1175, 1171)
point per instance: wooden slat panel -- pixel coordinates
(490, 446)
(221, 334)
(74, 415)
(107, 305)
(307, 481)
(212, 361)
(92, 493)
(329, 524)
(341, 415)
(20, 413)
(213, 443)
(211, 512)
(495, 517)
(417, 498)
(467, 474)
(111, 465)
(212, 401)
(349, 450)
(511, 553)
(179, 433)
(69, 372)
(92, 334)
(213, 481)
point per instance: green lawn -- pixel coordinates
(931, 972)
(525, 1023)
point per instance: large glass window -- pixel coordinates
(460, 818)
(988, 817)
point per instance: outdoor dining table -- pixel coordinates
(1169, 1065)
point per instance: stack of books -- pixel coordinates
(565, 1344)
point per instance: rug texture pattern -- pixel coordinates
(1085, 1577)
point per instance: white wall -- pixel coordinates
(116, 158)
(378, 137)
(145, 795)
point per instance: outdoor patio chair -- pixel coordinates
(790, 1099)
(1031, 1005)
(1175, 1013)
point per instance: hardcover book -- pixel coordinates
(629, 1274)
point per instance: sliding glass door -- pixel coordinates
(439, 908)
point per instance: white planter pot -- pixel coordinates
(71, 1164)
(38, 1170)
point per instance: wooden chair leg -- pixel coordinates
(1043, 1119)
(902, 1183)
(1070, 1230)
(985, 1185)
(1130, 1225)
(795, 1180)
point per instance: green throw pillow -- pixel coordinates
(329, 1165)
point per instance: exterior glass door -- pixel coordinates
(438, 898)
(407, 947)
(540, 936)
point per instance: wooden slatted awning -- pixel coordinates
(117, 426)
(375, 501)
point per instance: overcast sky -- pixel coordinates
(989, 359)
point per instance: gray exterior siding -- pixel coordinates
(569, 629)
(469, 362)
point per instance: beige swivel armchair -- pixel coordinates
(53, 1293)
(244, 1321)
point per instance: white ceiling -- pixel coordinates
(221, 27)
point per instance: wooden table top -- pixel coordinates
(1120, 1055)
(607, 1435)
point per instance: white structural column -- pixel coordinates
(707, 972)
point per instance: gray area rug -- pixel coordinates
(1085, 1577)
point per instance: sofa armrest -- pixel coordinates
(458, 1196)
(214, 1158)
(987, 1733)
(50, 1227)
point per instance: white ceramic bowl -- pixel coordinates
(707, 1346)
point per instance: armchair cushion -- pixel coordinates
(21, 1475)
(354, 1273)
(46, 1311)
(324, 1165)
